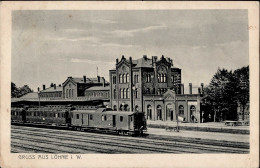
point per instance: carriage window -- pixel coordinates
(121, 118)
(91, 117)
(77, 116)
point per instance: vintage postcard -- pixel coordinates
(129, 84)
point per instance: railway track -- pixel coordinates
(129, 144)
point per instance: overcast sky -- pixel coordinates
(49, 46)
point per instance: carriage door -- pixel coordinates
(114, 120)
(85, 119)
(131, 122)
(24, 116)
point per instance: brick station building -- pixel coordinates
(153, 86)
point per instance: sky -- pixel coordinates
(49, 46)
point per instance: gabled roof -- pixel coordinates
(51, 89)
(31, 95)
(88, 80)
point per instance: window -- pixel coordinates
(105, 117)
(127, 78)
(58, 114)
(121, 93)
(77, 116)
(120, 78)
(159, 112)
(123, 78)
(114, 93)
(131, 118)
(115, 108)
(90, 117)
(149, 112)
(159, 91)
(72, 92)
(121, 118)
(164, 78)
(69, 92)
(127, 93)
(181, 110)
(148, 78)
(172, 78)
(159, 78)
(102, 118)
(148, 91)
(114, 80)
(137, 79)
(136, 93)
(192, 110)
(124, 93)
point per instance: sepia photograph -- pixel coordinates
(130, 81)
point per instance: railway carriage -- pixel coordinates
(108, 120)
(16, 114)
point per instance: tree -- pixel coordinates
(225, 90)
(242, 80)
(18, 92)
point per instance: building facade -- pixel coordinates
(154, 87)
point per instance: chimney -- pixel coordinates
(199, 91)
(98, 78)
(84, 79)
(117, 61)
(51, 85)
(104, 81)
(145, 57)
(38, 89)
(202, 88)
(54, 85)
(123, 57)
(130, 59)
(43, 87)
(190, 86)
(182, 88)
(59, 85)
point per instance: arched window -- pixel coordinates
(127, 93)
(137, 79)
(162, 78)
(149, 112)
(172, 78)
(123, 78)
(159, 91)
(159, 112)
(115, 108)
(149, 78)
(67, 93)
(127, 78)
(114, 93)
(148, 91)
(159, 78)
(120, 95)
(124, 93)
(72, 92)
(136, 108)
(181, 110)
(192, 110)
(136, 93)
(120, 78)
(126, 107)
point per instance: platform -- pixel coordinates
(204, 127)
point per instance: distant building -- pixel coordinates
(154, 87)
(53, 92)
(98, 92)
(75, 87)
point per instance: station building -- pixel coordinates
(153, 86)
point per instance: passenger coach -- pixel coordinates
(106, 119)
